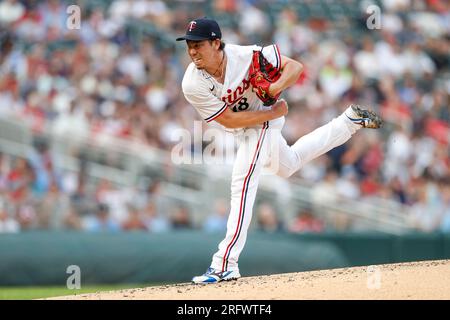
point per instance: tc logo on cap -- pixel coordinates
(202, 29)
(192, 25)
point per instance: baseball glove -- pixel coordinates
(262, 75)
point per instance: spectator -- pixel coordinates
(181, 218)
(445, 207)
(267, 219)
(366, 61)
(72, 220)
(134, 220)
(325, 192)
(41, 160)
(217, 221)
(424, 215)
(26, 215)
(306, 222)
(445, 224)
(153, 220)
(10, 12)
(19, 181)
(115, 198)
(103, 83)
(51, 208)
(101, 221)
(7, 224)
(80, 198)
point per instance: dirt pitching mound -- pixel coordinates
(414, 280)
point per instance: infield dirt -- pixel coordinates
(413, 280)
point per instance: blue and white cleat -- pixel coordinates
(365, 118)
(214, 276)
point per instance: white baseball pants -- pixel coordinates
(264, 146)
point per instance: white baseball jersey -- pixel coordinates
(211, 98)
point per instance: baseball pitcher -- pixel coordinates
(239, 87)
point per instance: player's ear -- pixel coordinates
(217, 44)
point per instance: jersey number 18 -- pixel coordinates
(241, 105)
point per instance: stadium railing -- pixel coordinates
(192, 184)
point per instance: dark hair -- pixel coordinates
(222, 44)
(102, 208)
(6, 42)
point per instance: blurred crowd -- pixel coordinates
(98, 80)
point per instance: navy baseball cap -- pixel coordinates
(202, 29)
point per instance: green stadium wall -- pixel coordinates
(42, 258)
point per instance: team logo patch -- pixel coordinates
(192, 25)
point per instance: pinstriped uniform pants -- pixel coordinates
(264, 147)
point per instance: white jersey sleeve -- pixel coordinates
(198, 91)
(272, 54)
